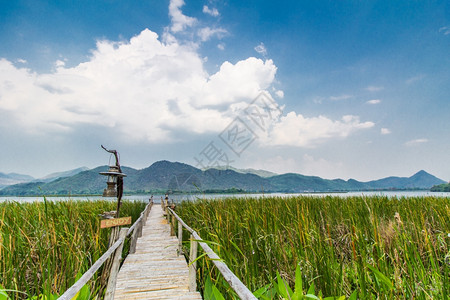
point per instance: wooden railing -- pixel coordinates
(241, 290)
(136, 231)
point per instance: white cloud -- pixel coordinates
(213, 12)
(59, 63)
(179, 21)
(261, 49)
(143, 89)
(221, 46)
(242, 80)
(21, 61)
(374, 101)
(296, 130)
(151, 90)
(416, 142)
(445, 30)
(280, 94)
(385, 131)
(206, 33)
(372, 88)
(180, 24)
(341, 97)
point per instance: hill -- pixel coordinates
(445, 187)
(13, 178)
(261, 173)
(163, 176)
(54, 176)
(420, 180)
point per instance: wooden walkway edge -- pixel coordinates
(155, 271)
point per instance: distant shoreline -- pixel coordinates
(218, 192)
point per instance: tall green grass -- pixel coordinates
(45, 245)
(378, 247)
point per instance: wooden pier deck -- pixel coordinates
(155, 271)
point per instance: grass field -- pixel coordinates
(375, 247)
(45, 245)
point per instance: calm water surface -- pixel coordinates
(191, 197)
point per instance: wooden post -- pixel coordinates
(144, 215)
(148, 211)
(111, 287)
(172, 224)
(137, 232)
(133, 241)
(193, 265)
(139, 228)
(114, 235)
(166, 203)
(180, 238)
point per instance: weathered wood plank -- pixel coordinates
(110, 288)
(155, 270)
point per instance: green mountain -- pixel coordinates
(163, 176)
(420, 180)
(260, 173)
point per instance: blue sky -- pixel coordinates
(360, 88)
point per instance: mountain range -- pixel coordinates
(14, 178)
(163, 176)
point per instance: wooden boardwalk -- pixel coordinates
(155, 271)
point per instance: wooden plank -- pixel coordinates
(115, 222)
(155, 270)
(110, 288)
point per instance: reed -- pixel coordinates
(376, 247)
(46, 245)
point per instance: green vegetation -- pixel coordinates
(46, 246)
(371, 247)
(445, 187)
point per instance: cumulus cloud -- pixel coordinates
(416, 142)
(206, 33)
(210, 11)
(145, 89)
(189, 26)
(154, 90)
(374, 101)
(280, 94)
(297, 130)
(60, 63)
(179, 20)
(385, 131)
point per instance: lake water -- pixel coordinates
(191, 197)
